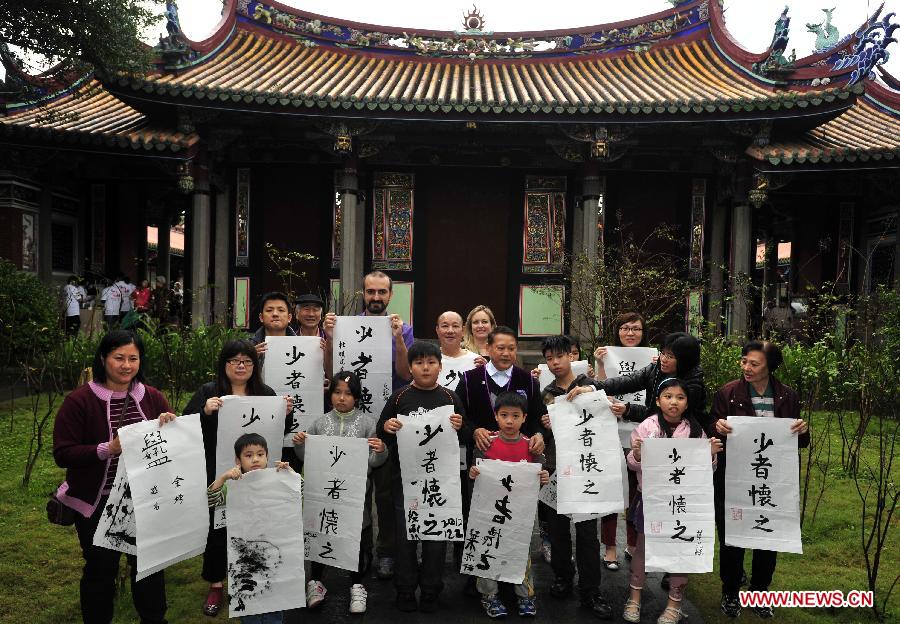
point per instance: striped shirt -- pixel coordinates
(763, 404)
(215, 498)
(131, 416)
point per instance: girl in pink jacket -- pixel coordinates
(671, 420)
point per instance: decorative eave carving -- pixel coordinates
(870, 50)
(604, 143)
(344, 131)
(776, 62)
(174, 48)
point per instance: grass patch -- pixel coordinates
(44, 561)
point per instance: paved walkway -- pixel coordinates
(458, 608)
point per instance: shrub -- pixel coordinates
(180, 360)
(29, 315)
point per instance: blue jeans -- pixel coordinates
(275, 617)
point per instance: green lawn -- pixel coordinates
(44, 562)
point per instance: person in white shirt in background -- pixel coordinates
(72, 295)
(112, 305)
(125, 288)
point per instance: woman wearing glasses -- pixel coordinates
(237, 373)
(679, 357)
(629, 333)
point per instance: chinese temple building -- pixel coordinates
(465, 164)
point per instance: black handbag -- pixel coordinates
(60, 513)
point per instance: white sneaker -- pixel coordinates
(315, 594)
(358, 598)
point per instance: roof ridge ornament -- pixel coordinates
(174, 48)
(776, 62)
(827, 35)
(870, 49)
(473, 23)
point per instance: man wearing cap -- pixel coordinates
(308, 312)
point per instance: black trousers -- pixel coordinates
(317, 570)
(382, 478)
(98, 579)
(73, 324)
(215, 557)
(587, 553)
(408, 574)
(731, 558)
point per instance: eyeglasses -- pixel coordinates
(665, 355)
(236, 362)
(631, 329)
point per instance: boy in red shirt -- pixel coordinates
(508, 444)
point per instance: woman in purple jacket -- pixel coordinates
(86, 444)
(756, 393)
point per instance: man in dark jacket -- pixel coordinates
(480, 386)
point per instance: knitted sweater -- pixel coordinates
(81, 437)
(353, 424)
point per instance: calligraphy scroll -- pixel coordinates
(362, 344)
(247, 414)
(762, 485)
(429, 467)
(334, 493)
(679, 519)
(167, 474)
(546, 377)
(501, 520)
(547, 495)
(624, 362)
(265, 543)
(116, 529)
(452, 368)
(588, 465)
(294, 367)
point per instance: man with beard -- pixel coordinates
(377, 291)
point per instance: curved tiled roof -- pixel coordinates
(90, 115)
(687, 77)
(866, 132)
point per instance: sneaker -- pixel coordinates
(384, 569)
(428, 602)
(358, 598)
(493, 607)
(765, 613)
(315, 594)
(730, 605)
(406, 602)
(545, 550)
(213, 601)
(527, 608)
